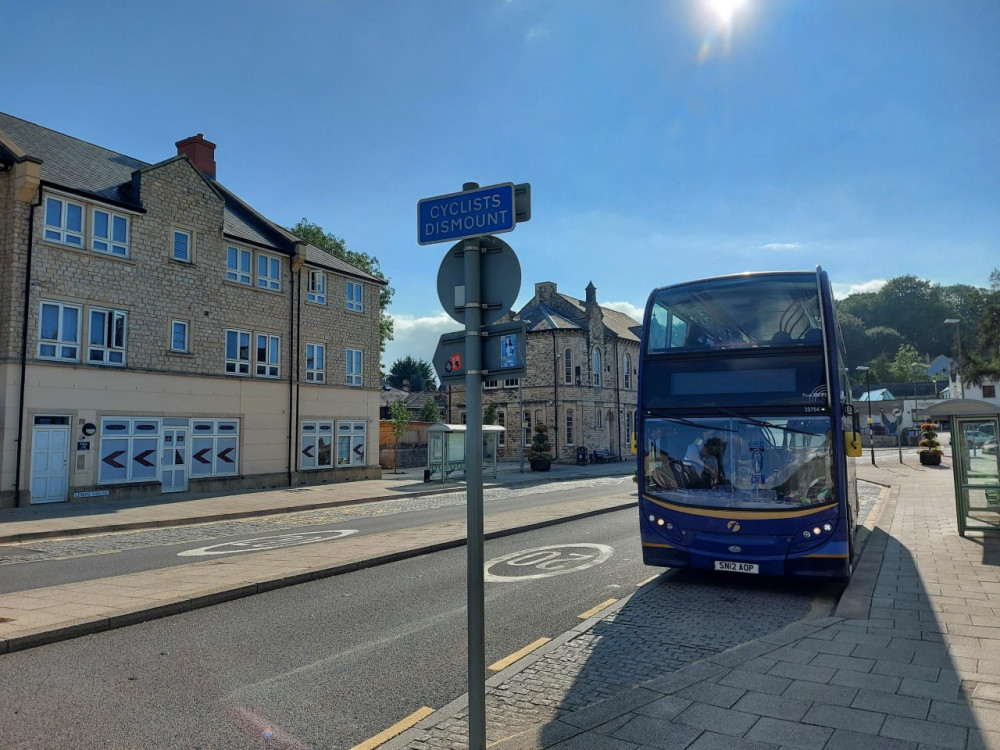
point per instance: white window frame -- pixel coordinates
(628, 372)
(511, 382)
(270, 279)
(355, 297)
(236, 272)
(124, 439)
(63, 349)
(109, 243)
(311, 434)
(218, 438)
(236, 364)
(188, 256)
(596, 366)
(317, 287)
(184, 326)
(315, 362)
(569, 427)
(352, 433)
(60, 232)
(526, 428)
(502, 422)
(354, 367)
(113, 330)
(568, 367)
(491, 384)
(268, 366)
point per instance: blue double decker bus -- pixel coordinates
(746, 434)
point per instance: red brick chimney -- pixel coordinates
(200, 152)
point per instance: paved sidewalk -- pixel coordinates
(45, 615)
(910, 659)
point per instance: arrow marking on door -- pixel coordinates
(110, 459)
(141, 458)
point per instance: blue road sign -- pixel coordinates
(471, 213)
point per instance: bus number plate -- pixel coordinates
(736, 567)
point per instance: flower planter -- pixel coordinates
(540, 464)
(930, 459)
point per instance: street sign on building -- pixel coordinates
(499, 280)
(470, 213)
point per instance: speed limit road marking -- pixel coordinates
(264, 543)
(544, 562)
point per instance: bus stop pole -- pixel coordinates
(474, 495)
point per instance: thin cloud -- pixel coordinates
(846, 290)
(782, 246)
(416, 336)
(626, 307)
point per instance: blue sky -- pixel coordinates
(661, 142)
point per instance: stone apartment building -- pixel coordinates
(159, 335)
(581, 371)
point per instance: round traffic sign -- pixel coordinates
(499, 280)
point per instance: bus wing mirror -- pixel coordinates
(852, 439)
(852, 444)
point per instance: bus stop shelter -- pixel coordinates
(446, 450)
(975, 461)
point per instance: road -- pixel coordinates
(333, 662)
(61, 561)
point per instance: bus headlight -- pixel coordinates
(812, 536)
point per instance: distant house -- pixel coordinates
(160, 335)
(414, 400)
(581, 378)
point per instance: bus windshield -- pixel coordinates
(781, 310)
(765, 463)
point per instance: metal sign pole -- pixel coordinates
(474, 495)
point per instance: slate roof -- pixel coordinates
(81, 167)
(71, 163)
(573, 315)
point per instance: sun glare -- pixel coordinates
(724, 8)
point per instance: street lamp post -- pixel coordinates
(868, 387)
(958, 357)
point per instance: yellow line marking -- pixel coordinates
(398, 728)
(598, 608)
(504, 663)
(742, 515)
(648, 580)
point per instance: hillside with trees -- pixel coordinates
(902, 324)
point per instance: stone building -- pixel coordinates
(160, 335)
(581, 370)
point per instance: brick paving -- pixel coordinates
(908, 660)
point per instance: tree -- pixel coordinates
(490, 414)
(399, 417)
(430, 411)
(906, 367)
(314, 234)
(983, 363)
(417, 371)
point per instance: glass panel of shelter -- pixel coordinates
(975, 453)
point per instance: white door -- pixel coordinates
(49, 463)
(173, 459)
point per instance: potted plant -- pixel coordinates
(539, 454)
(930, 449)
